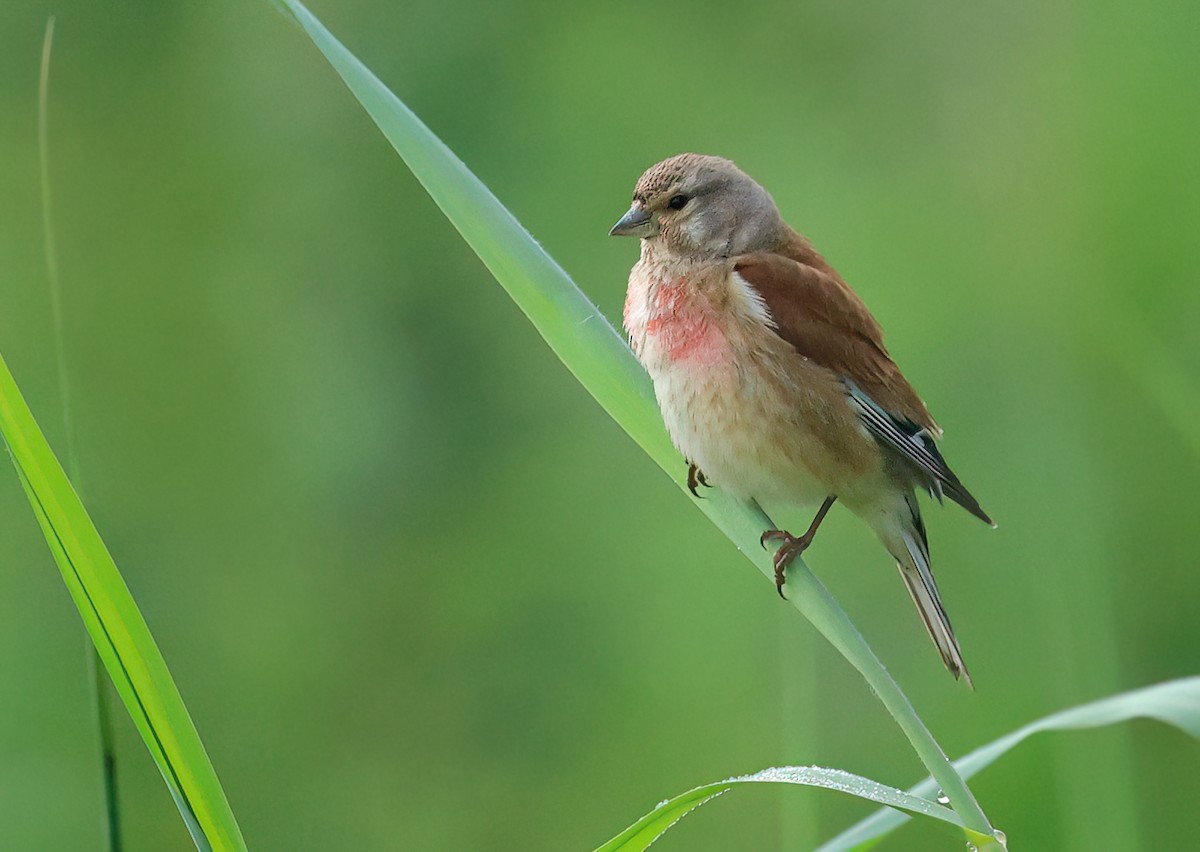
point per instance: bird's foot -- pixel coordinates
(790, 547)
(696, 478)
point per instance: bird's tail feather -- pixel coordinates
(912, 558)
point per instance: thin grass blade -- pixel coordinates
(117, 629)
(100, 701)
(1175, 702)
(593, 351)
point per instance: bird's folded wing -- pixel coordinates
(917, 446)
(813, 309)
(818, 314)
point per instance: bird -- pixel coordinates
(772, 375)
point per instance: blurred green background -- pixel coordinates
(415, 587)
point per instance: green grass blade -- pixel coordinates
(652, 826)
(117, 628)
(1176, 702)
(593, 351)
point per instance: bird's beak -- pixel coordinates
(636, 223)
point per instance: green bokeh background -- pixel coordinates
(415, 587)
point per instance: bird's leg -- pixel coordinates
(695, 478)
(790, 546)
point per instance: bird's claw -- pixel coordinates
(695, 478)
(789, 548)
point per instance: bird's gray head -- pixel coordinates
(704, 206)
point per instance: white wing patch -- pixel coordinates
(750, 303)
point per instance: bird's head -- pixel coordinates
(697, 205)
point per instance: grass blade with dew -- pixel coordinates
(593, 351)
(119, 632)
(654, 824)
(1175, 702)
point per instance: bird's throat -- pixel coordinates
(671, 321)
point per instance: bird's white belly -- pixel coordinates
(744, 438)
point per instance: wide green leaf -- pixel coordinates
(596, 354)
(1176, 702)
(654, 824)
(117, 628)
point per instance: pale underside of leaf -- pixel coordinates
(652, 826)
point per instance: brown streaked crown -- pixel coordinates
(681, 171)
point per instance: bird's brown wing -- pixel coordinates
(815, 311)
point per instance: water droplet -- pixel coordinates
(1001, 837)
(971, 847)
(942, 798)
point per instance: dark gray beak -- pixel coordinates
(636, 223)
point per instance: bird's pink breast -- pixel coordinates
(677, 322)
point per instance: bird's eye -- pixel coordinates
(677, 202)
